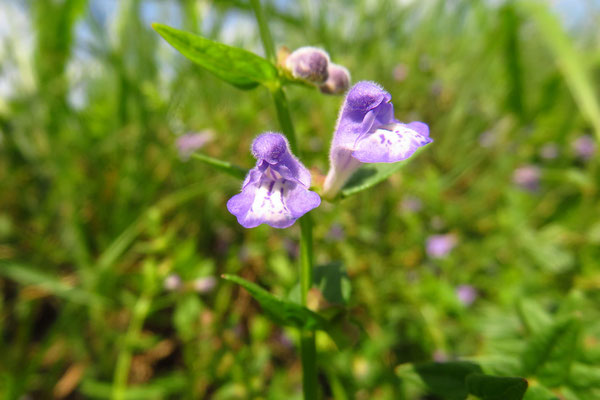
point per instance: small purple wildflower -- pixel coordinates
(400, 72)
(308, 63)
(466, 294)
(584, 147)
(367, 132)
(411, 204)
(527, 177)
(338, 80)
(549, 151)
(336, 233)
(438, 246)
(172, 282)
(205, 285)
(190, 142)
(487, 139)
(275, 191)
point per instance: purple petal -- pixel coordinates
(366, 104)
(391, 143)
(272, 151)
(277, 203)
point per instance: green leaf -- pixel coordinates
(549, 354)
(158, 388)
(332, 280)
(236, 66)
(533, 316)
(569, 61)
(584, 376)
(27, 275)
(489, 387)
(228, 168)
(539, 392)
(448, 379)
(372, 174)
(280, 311)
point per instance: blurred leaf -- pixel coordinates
(545, 249)
(228, 168)
(549, 354)
(27, 275)
(280, 311)
(372, 174)
(569, 61)
(584, 376)
(539, 392)
(448, 379)
(186, 315)
(239, 67)
(533, 316)
(332, 280)
(489, 387)
(159, 388)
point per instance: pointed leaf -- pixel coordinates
(549, 354)
(448, 379)
(280, 311)
(488, 387)
(533, 316)
(236, 66)
(370, 175)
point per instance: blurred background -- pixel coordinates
(112, 238)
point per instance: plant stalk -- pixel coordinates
(308, 349)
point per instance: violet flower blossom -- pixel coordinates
(309, 63)
(190, 142)
(527, 177)
(338, 80)
(275, 191)
(438, 246)
(367, 132)
(585, 147)
(466, 294)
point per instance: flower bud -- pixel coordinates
(338, 80)
(308, 63)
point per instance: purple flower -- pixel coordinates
(172, 282)
(585, 147)
(367, 132)
(308, 63)
(466, 294)
(190, 142)
(275, 191)
(338, 80)
(205, 285)
(411, 204)
(400, 72)
(527, 177)
(439, 246)
(549, 151)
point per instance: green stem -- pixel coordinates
(265, 33)
(308, 349)
(123, 365)
(285, 120)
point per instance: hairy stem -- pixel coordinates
(308, 350)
